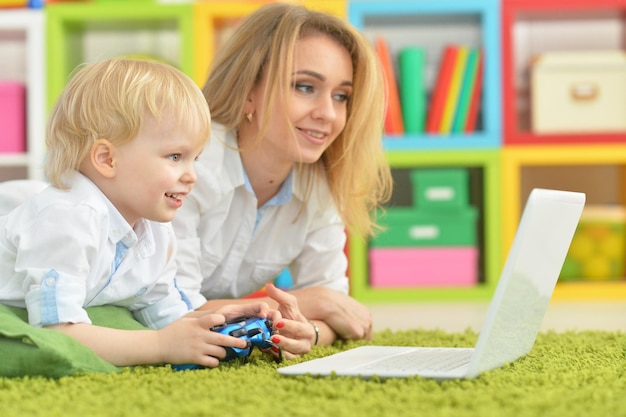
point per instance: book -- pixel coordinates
(440, 89)
(412, 61)
(452, 98)
(393, 116)
(472, 113)
(465, 96)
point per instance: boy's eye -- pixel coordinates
(174, 157)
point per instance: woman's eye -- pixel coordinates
(305, 88)
(341, 97)
(174, 157)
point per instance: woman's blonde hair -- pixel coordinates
(110, 100)
(355, 165)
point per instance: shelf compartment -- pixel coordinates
(531, 27)
(597, 170)
(486, 198)
(89, 32)
(432, 24)
(22, 53)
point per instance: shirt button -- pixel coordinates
(50, 282)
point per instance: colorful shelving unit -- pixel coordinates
(506, 158)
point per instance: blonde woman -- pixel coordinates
(295, 160)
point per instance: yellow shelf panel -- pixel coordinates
(577, 291)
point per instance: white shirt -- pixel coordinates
(225, 252)
(62, 251)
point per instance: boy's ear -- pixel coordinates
(102, 156)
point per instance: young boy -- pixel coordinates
(121, 141)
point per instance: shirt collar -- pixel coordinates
(283, 196)
(119, 229)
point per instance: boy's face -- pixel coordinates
(155, 171)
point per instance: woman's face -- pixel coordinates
(321, 85)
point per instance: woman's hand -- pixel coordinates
(253, 309)
(293, 333)
(348, 318)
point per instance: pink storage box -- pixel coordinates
(423, 267)
(12, 119)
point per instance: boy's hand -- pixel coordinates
(190, 340)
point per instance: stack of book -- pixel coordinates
(454, 100)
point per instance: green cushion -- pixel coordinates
(32, 351)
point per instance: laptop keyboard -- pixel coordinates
(423, 360)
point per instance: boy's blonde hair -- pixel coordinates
(110, 100)
(355, 165)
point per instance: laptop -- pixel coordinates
(514, 316)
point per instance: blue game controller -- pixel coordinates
(254, 330)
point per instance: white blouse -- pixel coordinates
(229, 249)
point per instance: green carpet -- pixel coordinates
(566, 374)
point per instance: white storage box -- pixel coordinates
(579, 92)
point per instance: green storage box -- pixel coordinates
(407, 227)
(435, 189)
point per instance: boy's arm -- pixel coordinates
(187, 340)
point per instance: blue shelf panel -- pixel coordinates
(486, 13)
(478, 140)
